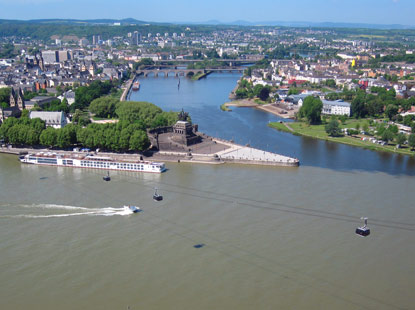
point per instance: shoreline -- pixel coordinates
(231, 153)
(350, 142)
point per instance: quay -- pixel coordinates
(212, 151)
(217, 151)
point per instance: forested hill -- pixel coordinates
(45, 29)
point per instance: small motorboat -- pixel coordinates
(363, 231)
(156, 196)
(107, 177)
(134, 209)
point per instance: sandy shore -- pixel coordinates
(270, 108)
(242, 103)
(277, 110)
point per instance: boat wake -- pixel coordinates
(41, 211)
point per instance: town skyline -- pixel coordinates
(384, 12)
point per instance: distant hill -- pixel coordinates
(124, 22)
(305, 24)
(132, 21)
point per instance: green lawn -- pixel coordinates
(318, 131)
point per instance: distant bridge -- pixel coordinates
(173, 70)
(232, 62)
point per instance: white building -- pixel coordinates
(336, 108)
(69, 96)
(52, 119)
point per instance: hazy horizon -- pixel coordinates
(382, 12)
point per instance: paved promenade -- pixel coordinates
(212, 151)
(244, 154)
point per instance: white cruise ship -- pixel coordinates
(91, 161)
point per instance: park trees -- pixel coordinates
(333, 128)
(411, 141)
(4, 97)
(85, 94)
(358, 106)
(264, 93)
(132, 111)
(311, 110)
(401, 138)
(48, 137)
(104, 107)
(388, 135)
(391, 110)
(139, 141)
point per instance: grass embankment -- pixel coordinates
(319, 132)
(259, 101)
(224, 107)
(199, 76)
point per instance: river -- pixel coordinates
(273, 237)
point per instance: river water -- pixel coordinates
(273, 238)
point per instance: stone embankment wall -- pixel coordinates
(126, 90)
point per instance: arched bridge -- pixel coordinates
(185, 72)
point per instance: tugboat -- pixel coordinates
(156, 196)
(363, 231)
(107, 177)
(134, 209)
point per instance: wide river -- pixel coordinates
(273, 238)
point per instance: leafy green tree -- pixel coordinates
(257, 89)
(311, 110)
(293, 91)
(407, 120)
(333, 128)
(132, 111)
(264, 93)
(32, 137)
(388, 135)
(400, 138)
(331, 83)
(241, 93)
(7, 51)
(13, 135)
(63, 139)
(48, 137)
(358, 106)
(85, 94)
(104, 106)
(124, 141)
(343, 119)
(139, 141)
(411, 141)
(5, 96)
(391, 111)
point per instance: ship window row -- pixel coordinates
(47, 161)
(90, 164)
(93, 164)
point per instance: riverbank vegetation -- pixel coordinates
(246, 89)
(370, 134)
(128, 134)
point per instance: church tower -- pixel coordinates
(20, 100)
(12, 99)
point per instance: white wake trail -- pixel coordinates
(109, 211)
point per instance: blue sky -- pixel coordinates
(353, 11)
